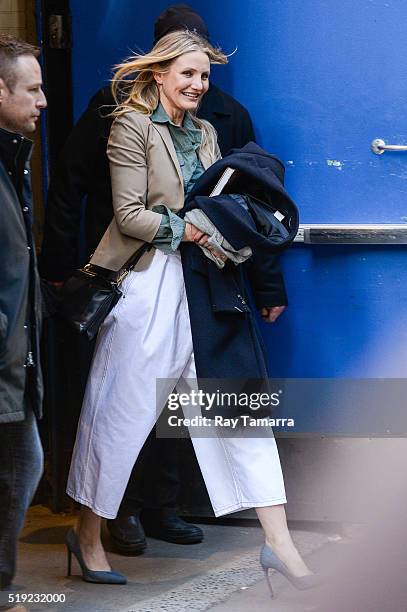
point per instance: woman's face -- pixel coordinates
(182, 87)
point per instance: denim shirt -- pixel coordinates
(186, 140)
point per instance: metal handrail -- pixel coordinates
(350, 233)
(378, 147)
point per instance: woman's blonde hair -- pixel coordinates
(134, 86)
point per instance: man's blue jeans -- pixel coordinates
(21, 465)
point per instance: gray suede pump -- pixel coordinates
(269, 560)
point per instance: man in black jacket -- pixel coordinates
(83, 171)
(21, 458)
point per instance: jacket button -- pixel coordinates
(25, 171)
(26, 209)
(25, 326)
(15, 141)
(29, 248)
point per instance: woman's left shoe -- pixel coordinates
(269, 560)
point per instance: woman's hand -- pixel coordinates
(271, 314)
(193, 234)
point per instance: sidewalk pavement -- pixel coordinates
(221, 574)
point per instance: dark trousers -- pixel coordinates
(154, 482)
(21, 466)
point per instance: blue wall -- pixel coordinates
(347, 315)
(321, 80)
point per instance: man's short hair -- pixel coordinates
(12, 48)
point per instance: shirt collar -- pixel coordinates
(160, 116)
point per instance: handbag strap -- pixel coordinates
(130, 263)
(117, 277)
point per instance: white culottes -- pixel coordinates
(148, 336)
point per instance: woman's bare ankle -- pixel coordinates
(279, 541)
(289, 555)
(94, 555)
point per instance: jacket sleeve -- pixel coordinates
(266, 281)
(128, 170)
(70, 183)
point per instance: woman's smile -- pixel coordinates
(191, 95)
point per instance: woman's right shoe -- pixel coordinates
(269, 560)
(72, 546)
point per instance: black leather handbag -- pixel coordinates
(91, 293)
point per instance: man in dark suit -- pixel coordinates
(83, 171)
(21, 458)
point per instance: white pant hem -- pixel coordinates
(246, 505)
(88, 504)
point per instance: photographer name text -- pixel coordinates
(233, 423)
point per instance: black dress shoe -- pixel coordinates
(127, 534)
(166, 525)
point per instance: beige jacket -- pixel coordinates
(145, 172)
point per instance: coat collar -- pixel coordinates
(15, 149)
(214, 102)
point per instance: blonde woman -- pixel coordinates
(157, 150)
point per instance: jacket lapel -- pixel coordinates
(206, 159)
(164, 132)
